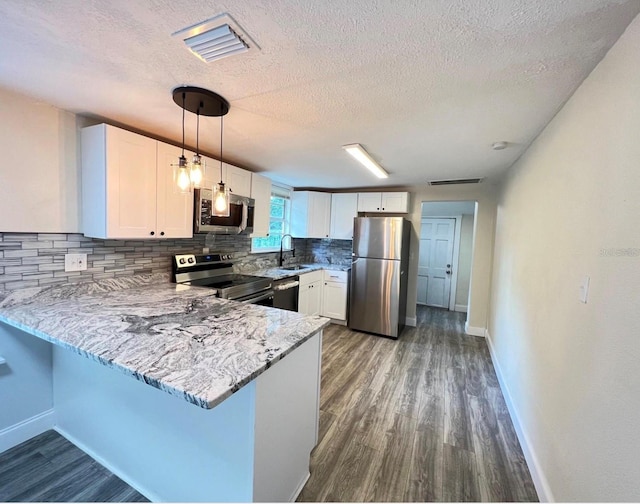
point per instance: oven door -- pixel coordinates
(264, 298)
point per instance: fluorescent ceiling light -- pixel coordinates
(358, 152)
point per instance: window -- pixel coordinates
(278, 223)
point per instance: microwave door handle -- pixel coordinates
(245, 217)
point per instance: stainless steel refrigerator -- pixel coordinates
(378, 300)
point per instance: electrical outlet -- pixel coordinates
(75, 262)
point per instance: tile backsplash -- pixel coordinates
(37, 259)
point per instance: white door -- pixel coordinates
(395, 202)
(435, 261)
(238, 180)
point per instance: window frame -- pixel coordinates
(277, 192)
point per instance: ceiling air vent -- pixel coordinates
(216, 38)
(456, 181)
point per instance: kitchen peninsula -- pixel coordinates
(223, 404)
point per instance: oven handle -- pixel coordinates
(251, 299)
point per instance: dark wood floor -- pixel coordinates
(417, 419)
(48, 468)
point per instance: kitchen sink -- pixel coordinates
(293, 268)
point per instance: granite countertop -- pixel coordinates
(180, 339)
(280, 273)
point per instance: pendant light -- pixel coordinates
(182, 174)
(221, 207)
(207, 103)
(196, 173)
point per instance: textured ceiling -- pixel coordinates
(425, 85)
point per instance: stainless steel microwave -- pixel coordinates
(240, 220)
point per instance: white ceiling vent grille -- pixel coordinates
(216, 38)
(455, 181)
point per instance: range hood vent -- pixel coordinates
(216, 38)
(455, 181)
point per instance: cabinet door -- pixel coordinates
(334, 300)
(315, 298)
(344, 207)
(238, 180)
(369, 202)
(261, 192)
(395, 202)
(303, 299)
(131, 184)
(319, 218)
(174, 208)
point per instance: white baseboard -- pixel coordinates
(297, 491)
(411, 321)
(460, 308)
(474, 331)
(537, 474)
(31, 427)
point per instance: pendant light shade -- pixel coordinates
(183, 178)
(221, 203)
(207, 103)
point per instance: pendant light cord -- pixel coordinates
(184, 95)
(221, 128)
(198, 131)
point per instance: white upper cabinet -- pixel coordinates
(237, 179)
(387, 202)
(344, 207)
(310, 214)
(261, 193)
(174, 216)
(128, 189)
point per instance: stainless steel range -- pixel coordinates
(216, 271)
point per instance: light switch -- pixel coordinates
(584, 289)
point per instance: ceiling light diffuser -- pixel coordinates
(363, 157)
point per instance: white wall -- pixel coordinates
(485, 195)
(26, 389)
(39, 167)
(464, 260)
(570, 208)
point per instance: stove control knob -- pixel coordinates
(181, 260)
(191, 260)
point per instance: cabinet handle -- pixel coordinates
(383, 208)
(377, 208)
(152, 233)
(161, 233)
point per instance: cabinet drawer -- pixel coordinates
(335, 276)
(313, 276)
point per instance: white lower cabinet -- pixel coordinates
(324, 292)
(334, 294)
(310, 293)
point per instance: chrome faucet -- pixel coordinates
(292, 249)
